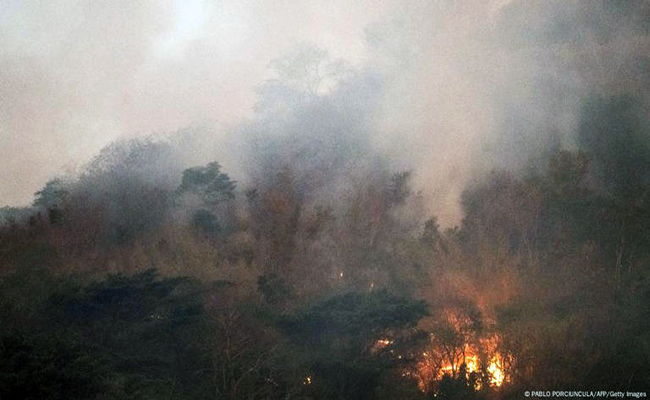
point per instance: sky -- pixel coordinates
(465, 86)
(77, 75)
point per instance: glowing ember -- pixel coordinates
(380, 345)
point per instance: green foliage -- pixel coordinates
(209, 182)
(363, 316)
(125, 337)
(337, 337)
(551, 268)
(51, 196)
(123, 192)
(14, 215)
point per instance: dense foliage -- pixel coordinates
(132, 284)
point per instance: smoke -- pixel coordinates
(473, 87)
(444, 88)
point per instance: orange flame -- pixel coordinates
(438, 362)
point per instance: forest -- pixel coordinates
(321, 276)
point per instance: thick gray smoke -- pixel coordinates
(447, 89)
(483, 85)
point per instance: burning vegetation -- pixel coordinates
(277, 290)
(316, 270)
(323, 284)
(476, 361)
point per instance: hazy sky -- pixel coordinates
(75, 76)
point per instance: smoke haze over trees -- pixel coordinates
(415, 201)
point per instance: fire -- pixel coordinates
(483, 363)
(433, 367)
(380, 345)
(431, 359)
(458, 350)
(495, 369)
(471, 364)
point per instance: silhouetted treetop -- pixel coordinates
(209, 182)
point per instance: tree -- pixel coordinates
(304, 73)
(212, 185)
(216, 191)
(50, 197)
(615, 132)
(338, 341)
(149, 333)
